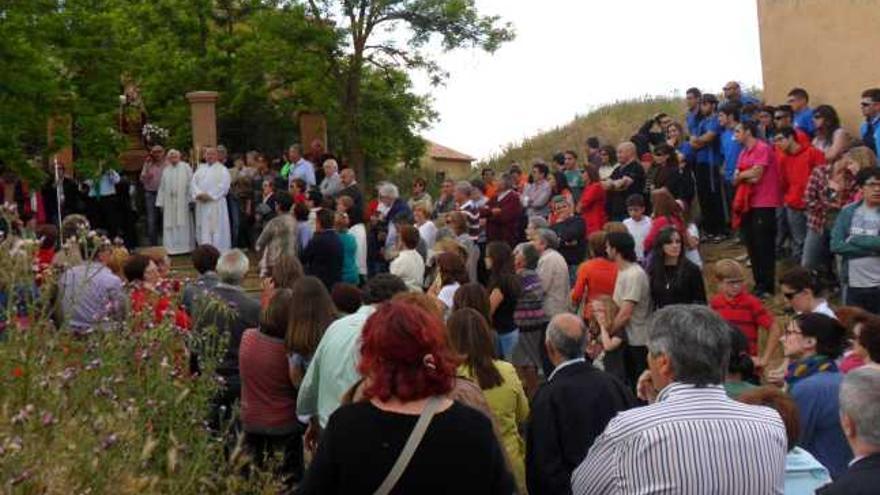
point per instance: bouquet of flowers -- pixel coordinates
(154, 134)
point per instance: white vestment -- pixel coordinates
(174, 197)
(212, 217)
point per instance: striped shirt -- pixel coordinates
(691, 441)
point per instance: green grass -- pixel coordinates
(612, 123)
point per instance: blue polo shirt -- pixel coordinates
(710, 153)
(691, 121)
(730, 149)
(748, 100)
(803, 120)
(871, 140)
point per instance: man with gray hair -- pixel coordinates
(228, 308)
(860, 420)
(570, 410)
(174, 197)
(209, 187)
(332, 182)
(553, 271)
(693, 438)
(503, 212)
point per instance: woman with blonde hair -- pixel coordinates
(609, 348)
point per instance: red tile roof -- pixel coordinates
(440, 152)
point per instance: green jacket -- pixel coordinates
(851, 247)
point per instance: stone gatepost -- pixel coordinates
(204, 121)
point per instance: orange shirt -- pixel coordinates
(595, 276)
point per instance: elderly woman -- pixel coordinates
(383, 234)
(409, 370)
(331, 184)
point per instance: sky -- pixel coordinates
(570, 56)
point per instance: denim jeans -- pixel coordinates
(867, 298)
(782, 232)
(817, 255)
(232, 205)
(505, 343)
(152, 217)
(797, 227)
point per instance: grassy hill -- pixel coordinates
(612, 123)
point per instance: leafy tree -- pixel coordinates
(456, 22)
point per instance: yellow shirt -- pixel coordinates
(511, 408)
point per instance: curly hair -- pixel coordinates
(404, 354)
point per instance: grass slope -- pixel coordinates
(612, 123)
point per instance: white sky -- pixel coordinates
(572, 55)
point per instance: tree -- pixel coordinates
(456, 22)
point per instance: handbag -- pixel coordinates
(412, 443)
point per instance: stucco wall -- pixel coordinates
(453, 169)
(831, 48)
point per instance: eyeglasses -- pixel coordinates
(790, 295)
(867, 103)
(871, 185)
(733, 282)
(779, 117)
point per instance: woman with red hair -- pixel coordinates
(408, 371)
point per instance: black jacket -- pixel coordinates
(356, 215)
(862, 478)
(322, 258)
(568, 413)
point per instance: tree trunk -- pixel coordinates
(351, 112)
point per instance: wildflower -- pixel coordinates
(17, 372)
(93, 364)
(48, 419)
(109, 441)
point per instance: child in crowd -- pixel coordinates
(742, 309)
(610, 348)
(638, 224)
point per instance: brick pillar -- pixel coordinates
(312, 125)
(204, 121)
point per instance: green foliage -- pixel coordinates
(611, 123)
(112, 412)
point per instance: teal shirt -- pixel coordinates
(349, 258)
(333, 368)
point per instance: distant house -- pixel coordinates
(446, 162)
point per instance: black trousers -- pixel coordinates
(635, 361)
(289, 447)
(710, 191)
(759, 228)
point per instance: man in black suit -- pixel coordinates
(228, 308)
(860, 419)
(570, 410)
(351, 189)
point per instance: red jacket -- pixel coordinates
(505, 225)
(795, 173)
(592, 206)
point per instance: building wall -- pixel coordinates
(453, 169)
(828, 47)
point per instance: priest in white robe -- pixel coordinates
(210, 184)
(173, 197)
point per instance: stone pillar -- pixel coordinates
(59, 127)
(312, 125)
(204, 121)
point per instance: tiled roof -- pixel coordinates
(440, 152)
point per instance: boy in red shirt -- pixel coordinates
(796, 163)
(745, 311)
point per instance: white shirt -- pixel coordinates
(428, 232)
(410, 267)
(692, 440)
(639, 230)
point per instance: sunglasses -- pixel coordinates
(867, 103)
(790, 295)
(779, 117)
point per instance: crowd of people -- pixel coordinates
(539, 331)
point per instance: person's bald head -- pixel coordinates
(732, 90)
(567, 336)
(626, 152)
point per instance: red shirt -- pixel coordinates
(795, 173)
(745, 311)
(597, 277)
(268, 399)
(593, 207)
